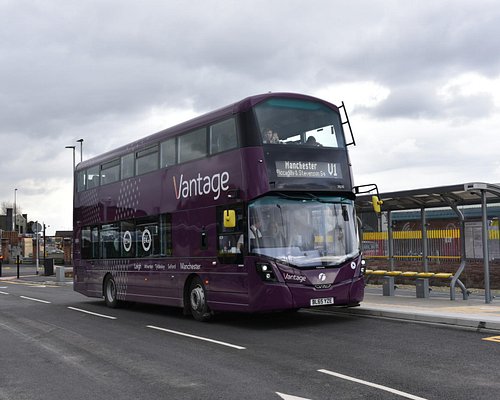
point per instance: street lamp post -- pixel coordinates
(37, 232)
(44, 242)
(15, 211)
(72, 147)
(81, 149)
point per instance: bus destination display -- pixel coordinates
(308, 169)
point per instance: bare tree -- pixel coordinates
(7, 204)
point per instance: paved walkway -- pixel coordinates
(438, 308)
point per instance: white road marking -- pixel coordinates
(91, 313)
(375, 385)
(32, 299)
(290, 397)
(31, 284)
(197, 337)
(4, 293)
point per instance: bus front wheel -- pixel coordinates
(110, 292)
(198, 301)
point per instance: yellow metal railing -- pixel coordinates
(431, 234)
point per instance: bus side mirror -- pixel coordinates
(229, 218)
(376, 203)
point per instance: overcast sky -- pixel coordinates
(420, 80)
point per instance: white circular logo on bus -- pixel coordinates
(127, 241)
(146, 240)
(322, 277)
(353, 265)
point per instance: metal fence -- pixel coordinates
(443, 245)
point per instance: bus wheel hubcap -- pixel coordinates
(197, 298)
(111, 291)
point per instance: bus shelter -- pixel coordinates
(460, 198)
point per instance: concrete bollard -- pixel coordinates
(60, 277)
(422, 287)
(388, 287)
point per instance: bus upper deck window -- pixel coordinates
(293, 121)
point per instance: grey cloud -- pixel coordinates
(75, 63)
(422, 101)
(83, 69)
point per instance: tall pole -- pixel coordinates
(73, 148)
(37, 247)
(73, 188)
(425, 249)
(81, 149)
(390, 239)
(486, 255)
(44, 243)
(15, 211)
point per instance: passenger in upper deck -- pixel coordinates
(311, 141)
(268, 136)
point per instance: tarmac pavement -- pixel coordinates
(438, 308)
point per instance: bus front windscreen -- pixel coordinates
(292, 121)
(306, 232)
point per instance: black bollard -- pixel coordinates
(17, 262)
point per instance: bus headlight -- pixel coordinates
(266, 272)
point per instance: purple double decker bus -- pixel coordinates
(249, 208)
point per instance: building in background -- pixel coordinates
(22, 241)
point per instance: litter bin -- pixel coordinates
(48, 265)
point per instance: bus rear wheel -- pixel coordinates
(110, 292)
(198, 301)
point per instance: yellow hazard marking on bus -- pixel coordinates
(493, 339)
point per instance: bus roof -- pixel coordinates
(204, 119)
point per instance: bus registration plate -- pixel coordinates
(322, 302)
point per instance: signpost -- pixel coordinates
(36, 228)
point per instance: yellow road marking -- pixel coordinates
(493, 339)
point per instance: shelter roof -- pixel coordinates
(460, 194)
